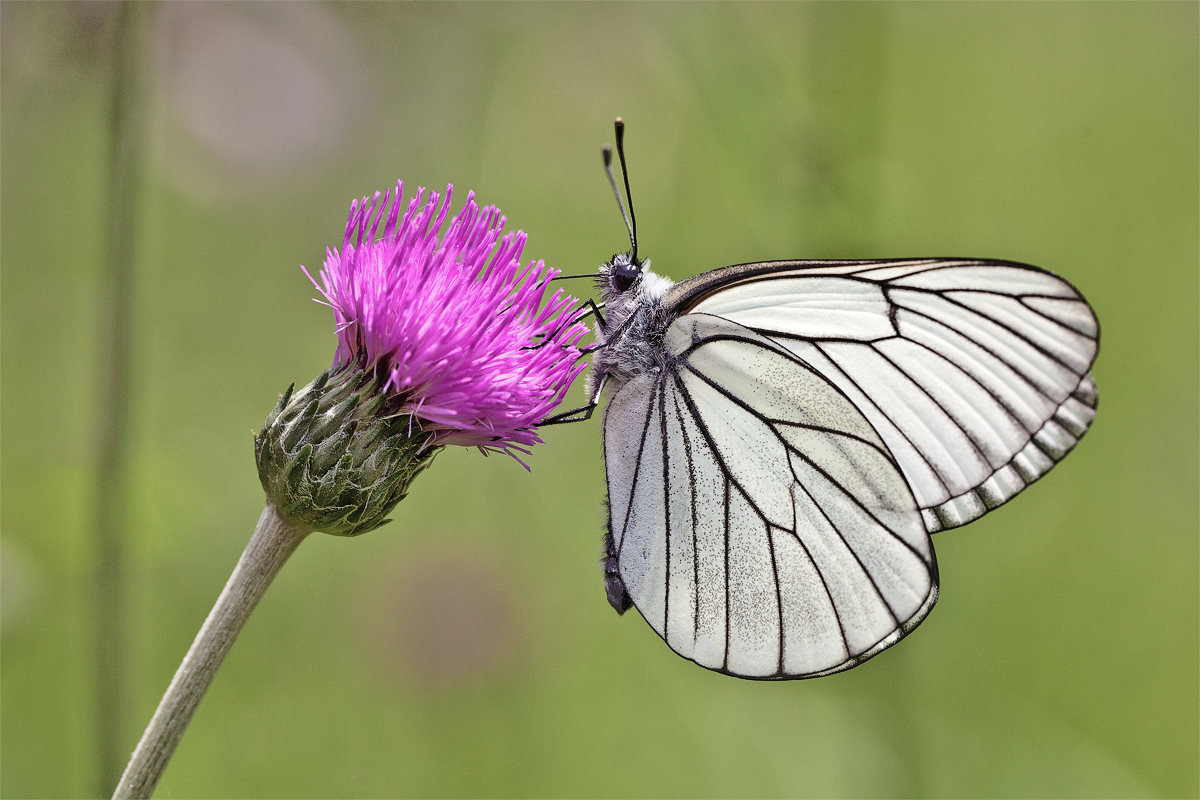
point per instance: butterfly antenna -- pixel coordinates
(606, 151)
(631, 223)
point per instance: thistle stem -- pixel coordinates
(273, 541)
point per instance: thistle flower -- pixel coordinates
(441, 342)
(459, 328)
(446, 341)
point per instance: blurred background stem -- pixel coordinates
(126, 149)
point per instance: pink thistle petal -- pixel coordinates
(464, 333)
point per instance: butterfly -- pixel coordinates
(783, 437)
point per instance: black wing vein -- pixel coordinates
(883, 413)
(1019, 372)
(966, 430)
(977, 313)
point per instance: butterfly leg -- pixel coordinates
(589, 308)
(585, 310)
(585, 412)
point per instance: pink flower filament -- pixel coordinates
(464, 333)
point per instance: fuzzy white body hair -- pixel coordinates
(630, 340)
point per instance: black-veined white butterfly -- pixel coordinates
(783, 437)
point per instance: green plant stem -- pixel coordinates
(127, 135)
(273, 541)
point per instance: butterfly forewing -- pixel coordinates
(812, 307)
(973, 373)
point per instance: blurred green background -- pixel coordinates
(467, 649)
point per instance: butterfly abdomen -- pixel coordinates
(614, 587)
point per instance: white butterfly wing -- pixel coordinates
(760, 524)
(974, 373)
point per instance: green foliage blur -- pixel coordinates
(466, 649)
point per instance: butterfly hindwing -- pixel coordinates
(760, 524)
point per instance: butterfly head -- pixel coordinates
(620, 275)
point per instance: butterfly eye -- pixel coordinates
(625, 274)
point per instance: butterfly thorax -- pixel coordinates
(630, 339)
